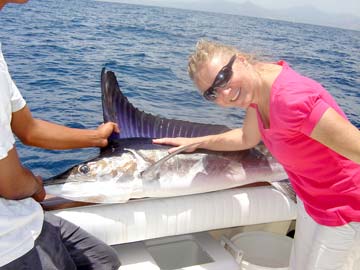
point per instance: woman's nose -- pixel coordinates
(224, 92)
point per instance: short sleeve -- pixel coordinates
(10, 101)
(17, 100)
(7, 139)
(313, 118)
(299, 111)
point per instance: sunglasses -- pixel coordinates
(221, 80)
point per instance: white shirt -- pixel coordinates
(20, 221)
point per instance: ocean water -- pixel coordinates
(56, 49)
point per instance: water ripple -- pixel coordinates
(56, 51)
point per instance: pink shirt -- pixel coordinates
(327, 183)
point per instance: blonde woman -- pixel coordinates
(304, 128)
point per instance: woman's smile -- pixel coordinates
(236, 96)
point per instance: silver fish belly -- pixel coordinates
(116, 177)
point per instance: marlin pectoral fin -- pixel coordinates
(152, 172)
(285, 187)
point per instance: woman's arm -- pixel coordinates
(36, 132)
(236, 139)
(338, 134)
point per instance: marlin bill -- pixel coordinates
(118, 173)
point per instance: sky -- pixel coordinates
(332, 6)
(328, 6)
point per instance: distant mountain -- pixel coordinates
(301, 14)
(311, 15)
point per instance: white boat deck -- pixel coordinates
(152, 218)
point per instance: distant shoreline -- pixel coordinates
(300, 14)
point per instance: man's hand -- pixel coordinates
(39, 195)
(44, 134)
(105, 130)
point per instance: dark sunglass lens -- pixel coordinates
(221, 80)
(223, 77)
(210, 94)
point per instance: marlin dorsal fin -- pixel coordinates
(138, 124)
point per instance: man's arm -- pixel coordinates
(36, 132)
(16, 181)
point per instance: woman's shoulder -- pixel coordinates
(291, 86)
(293, 95)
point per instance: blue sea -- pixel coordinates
(56, 49)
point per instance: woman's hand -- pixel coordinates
(180, 142)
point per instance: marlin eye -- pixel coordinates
(84, 169)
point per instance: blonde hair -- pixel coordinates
(206, 50)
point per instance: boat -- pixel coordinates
(183, 232)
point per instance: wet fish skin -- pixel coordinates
(114, 176)
(152, 172)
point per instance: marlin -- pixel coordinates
(131, 166)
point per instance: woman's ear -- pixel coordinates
(242, 59)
